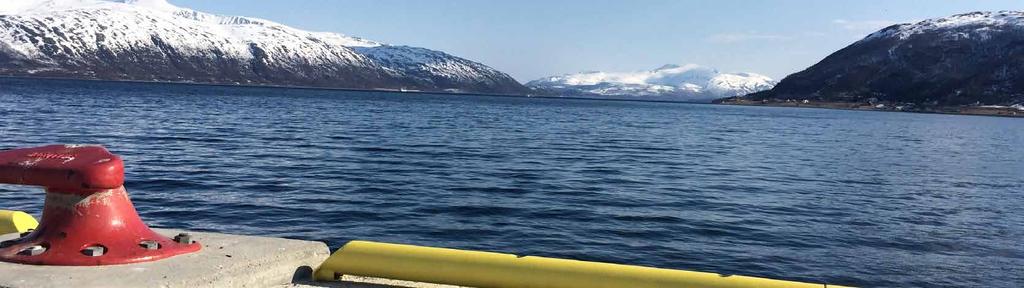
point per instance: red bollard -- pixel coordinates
(88, 219)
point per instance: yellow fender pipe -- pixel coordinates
(16, 222)
(496, 270)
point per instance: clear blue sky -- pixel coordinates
(534, 38)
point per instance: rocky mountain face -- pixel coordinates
(152, 40)
(692, 83)
(968, 59)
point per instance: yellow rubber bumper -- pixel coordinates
(496, 270)
(16, 222)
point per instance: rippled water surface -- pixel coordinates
(855, 198)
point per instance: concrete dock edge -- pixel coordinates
(224, 261)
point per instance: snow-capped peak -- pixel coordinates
(156, 40)
(234, 26)
(154, 4)
(982, 21)
(14, 7)
(689, 82)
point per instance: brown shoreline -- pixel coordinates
(975, 111)
(387, 90)
(887, 107)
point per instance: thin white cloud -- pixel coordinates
(726, 38)
(863, 25)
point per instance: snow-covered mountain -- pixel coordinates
(965, 59)
(670, 82)
(982, 23)
(155, 40)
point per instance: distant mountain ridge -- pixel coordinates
(152, 40)
(974, 59)
(689, 82)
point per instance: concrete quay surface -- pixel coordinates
(224, 261)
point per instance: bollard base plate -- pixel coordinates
(224, 261)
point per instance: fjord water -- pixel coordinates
(856, 198)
